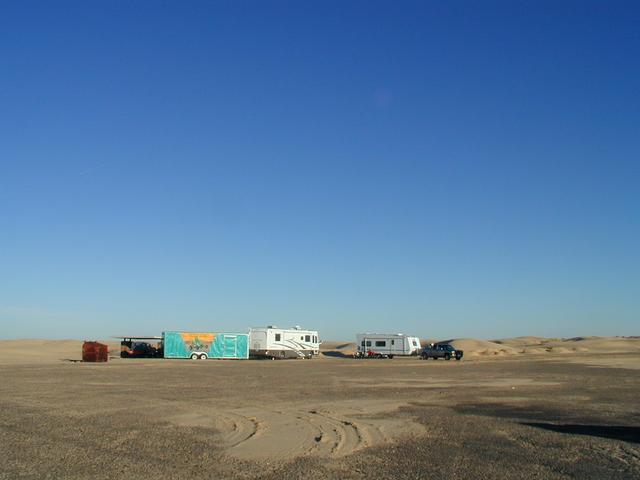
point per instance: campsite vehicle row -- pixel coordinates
(273, 342)
(265, 342)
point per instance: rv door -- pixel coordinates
(395, 346)
(259, 340)
(230, 346)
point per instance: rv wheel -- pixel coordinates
(194, 356)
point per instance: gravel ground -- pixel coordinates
(525, 417)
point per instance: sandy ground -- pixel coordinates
(515, 408)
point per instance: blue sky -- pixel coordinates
(447, 169)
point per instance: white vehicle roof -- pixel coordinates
(384, 335)
(291, 329)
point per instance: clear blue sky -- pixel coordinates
(443, 168)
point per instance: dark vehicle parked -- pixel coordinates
(371, 354)
(129, 349)
(443, 350)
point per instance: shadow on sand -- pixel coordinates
(336, 354)
(616, 432)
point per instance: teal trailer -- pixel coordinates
(203, 345)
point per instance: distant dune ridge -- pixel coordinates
(29, 351)
(43, 351)
(471, 346)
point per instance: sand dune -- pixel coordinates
(542, 345)
(473, 347)
(337, 349)
(45, 351)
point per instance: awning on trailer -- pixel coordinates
(133, 337)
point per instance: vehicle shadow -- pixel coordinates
(336, 354)
(548, 418)
(616, 432)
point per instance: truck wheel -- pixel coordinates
(458, 358)
(447, 356)
(194, 356)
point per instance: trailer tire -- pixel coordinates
(194, 356)
(203, 356)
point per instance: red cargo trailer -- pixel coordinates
(95, 352)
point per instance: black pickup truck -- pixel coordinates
(440, 350)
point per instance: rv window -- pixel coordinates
(393, 342)
(381, 343)
(301, 338)
(368, 343)
(415, 344)
(277, 337)
(315, 339)
(307, 338)
(362, 343)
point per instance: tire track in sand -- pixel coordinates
(254, 434)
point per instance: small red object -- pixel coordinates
(95, 352)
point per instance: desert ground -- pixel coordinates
(527, 407)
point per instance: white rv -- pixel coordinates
(387, 344)
(274, 342)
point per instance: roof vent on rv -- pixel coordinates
(272, 326)
(297, 327)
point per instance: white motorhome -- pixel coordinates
(274, 342)
(388, 344)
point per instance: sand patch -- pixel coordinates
(281, 433)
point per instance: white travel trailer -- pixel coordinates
(274, 342)
(387, 344)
